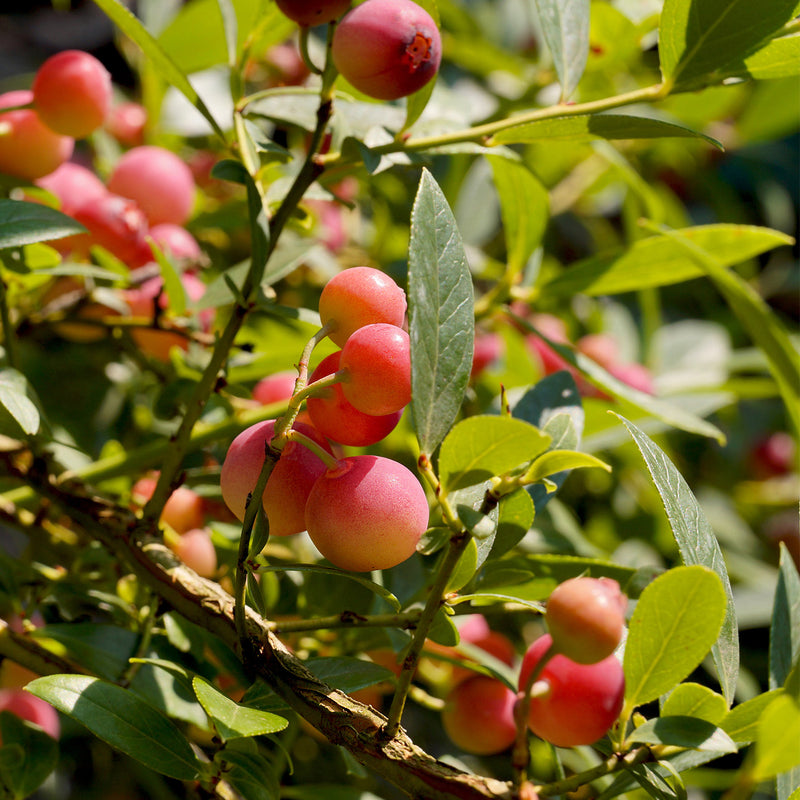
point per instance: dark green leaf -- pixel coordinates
(784, 640)
(697, 544)
(565, 25)
(441, 320)
(250, 774)
(779, 58)
(348, 674)
(27, 755)
(24, 223)
(123, 721)
(680, 731)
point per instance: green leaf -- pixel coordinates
(565, 26)
(348, 674)
(121, 720)
(465, 568)
(763, 325)
(230, 29)
(667, 637)
(27, 755)
(784, 639)
(516, 515)
(443, 629)
(441, 320)
(681, 731)
(524, 207)
(777, 735)
(661, 261)
(588, 127)
(481, 447)
(741, 722)
(554, 461)
(156, 54)
(694, 700)
(24, 223)
(250, 773)
(696, 36)
(231, 720)
(14, 398)
(697, 545)
(173, 286)
(779, 58)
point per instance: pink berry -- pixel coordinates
(275, 388)
(572, 704)
(72, 93)
(126, 123)
(175, 241)
(313, 12)
(196, 550)
(336, 418)
(600, 347)
(366, 513)
(586, 618)
(360, 296)
(183, 510)
(635, 375)
(387, 49)
(378, 364)
(289, 485)
(160, 183)
(488, 348)
(31, 708)
(73, 185)
(28, 148)
(478, 716)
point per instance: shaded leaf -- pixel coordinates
(24, 223)
(348, 674)
(27, 755)
(681, 731)
(694, 700)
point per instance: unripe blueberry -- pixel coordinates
(586, 618)
(31, 708)
(28, 148)
(366, 513)
(160, 183)
(196, 550)
(72, 93)
(377, 359)
(478, 715)
(289, 485)
(360, 296)
(572, 704)
(73, 185)
(313, 12)
(336, 418)
(387, 48)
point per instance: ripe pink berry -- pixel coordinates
(387, 48)
(73, 185)
(175, 241)
(366, 513)
(313, 12)
(160, 183)
(572, 704)
(360, 296)
(28, 148)
(183, 510)
(336, 418)
(488, 348)
(196, 550)
(586, 618)
(31, 708)
(126, 123)
(72, 93)
(478, 716)
(276, 387)
(289, 484)
(377, 359)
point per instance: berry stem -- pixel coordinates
(402, 621)
(321, 453)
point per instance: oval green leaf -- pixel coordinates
(24, 223)
(688, 732)
(694, 700)
(565, 26)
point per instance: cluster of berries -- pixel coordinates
(362, 512)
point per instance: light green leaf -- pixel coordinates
(14, 398)
(516, 516)
(667, 637)
(588, 127)
(779, 58)
(441, 317)
(681, 731)
(694, 700)
(661, 261)
(24, 223)
(121, 720)
(232, 720)
(524, 207)
(481, 447)
(565, 25)
(230, 29)
(697, 545)
(465, 568)
(173, 286)
(696, 36)
(554, 461)
(741, 722)
(777, 737)
(27, 755)
(155, 53)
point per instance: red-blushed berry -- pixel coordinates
(73, 185)
(28, 148)
(126, 123)
(602, 348)
(377, 360)
(387, 49)
(336, 418)
(313, 12)
(72, 93)
(572, 704)
(478, 715)
(289, 485)
(487, 349)
(775, 455)
(183, 510)
(367, 512)
(276, 387)
(161, 184)
(586, 618)
(195, 548)
(32, 709)
(360, 296)
(176, 242)
(637, 376)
